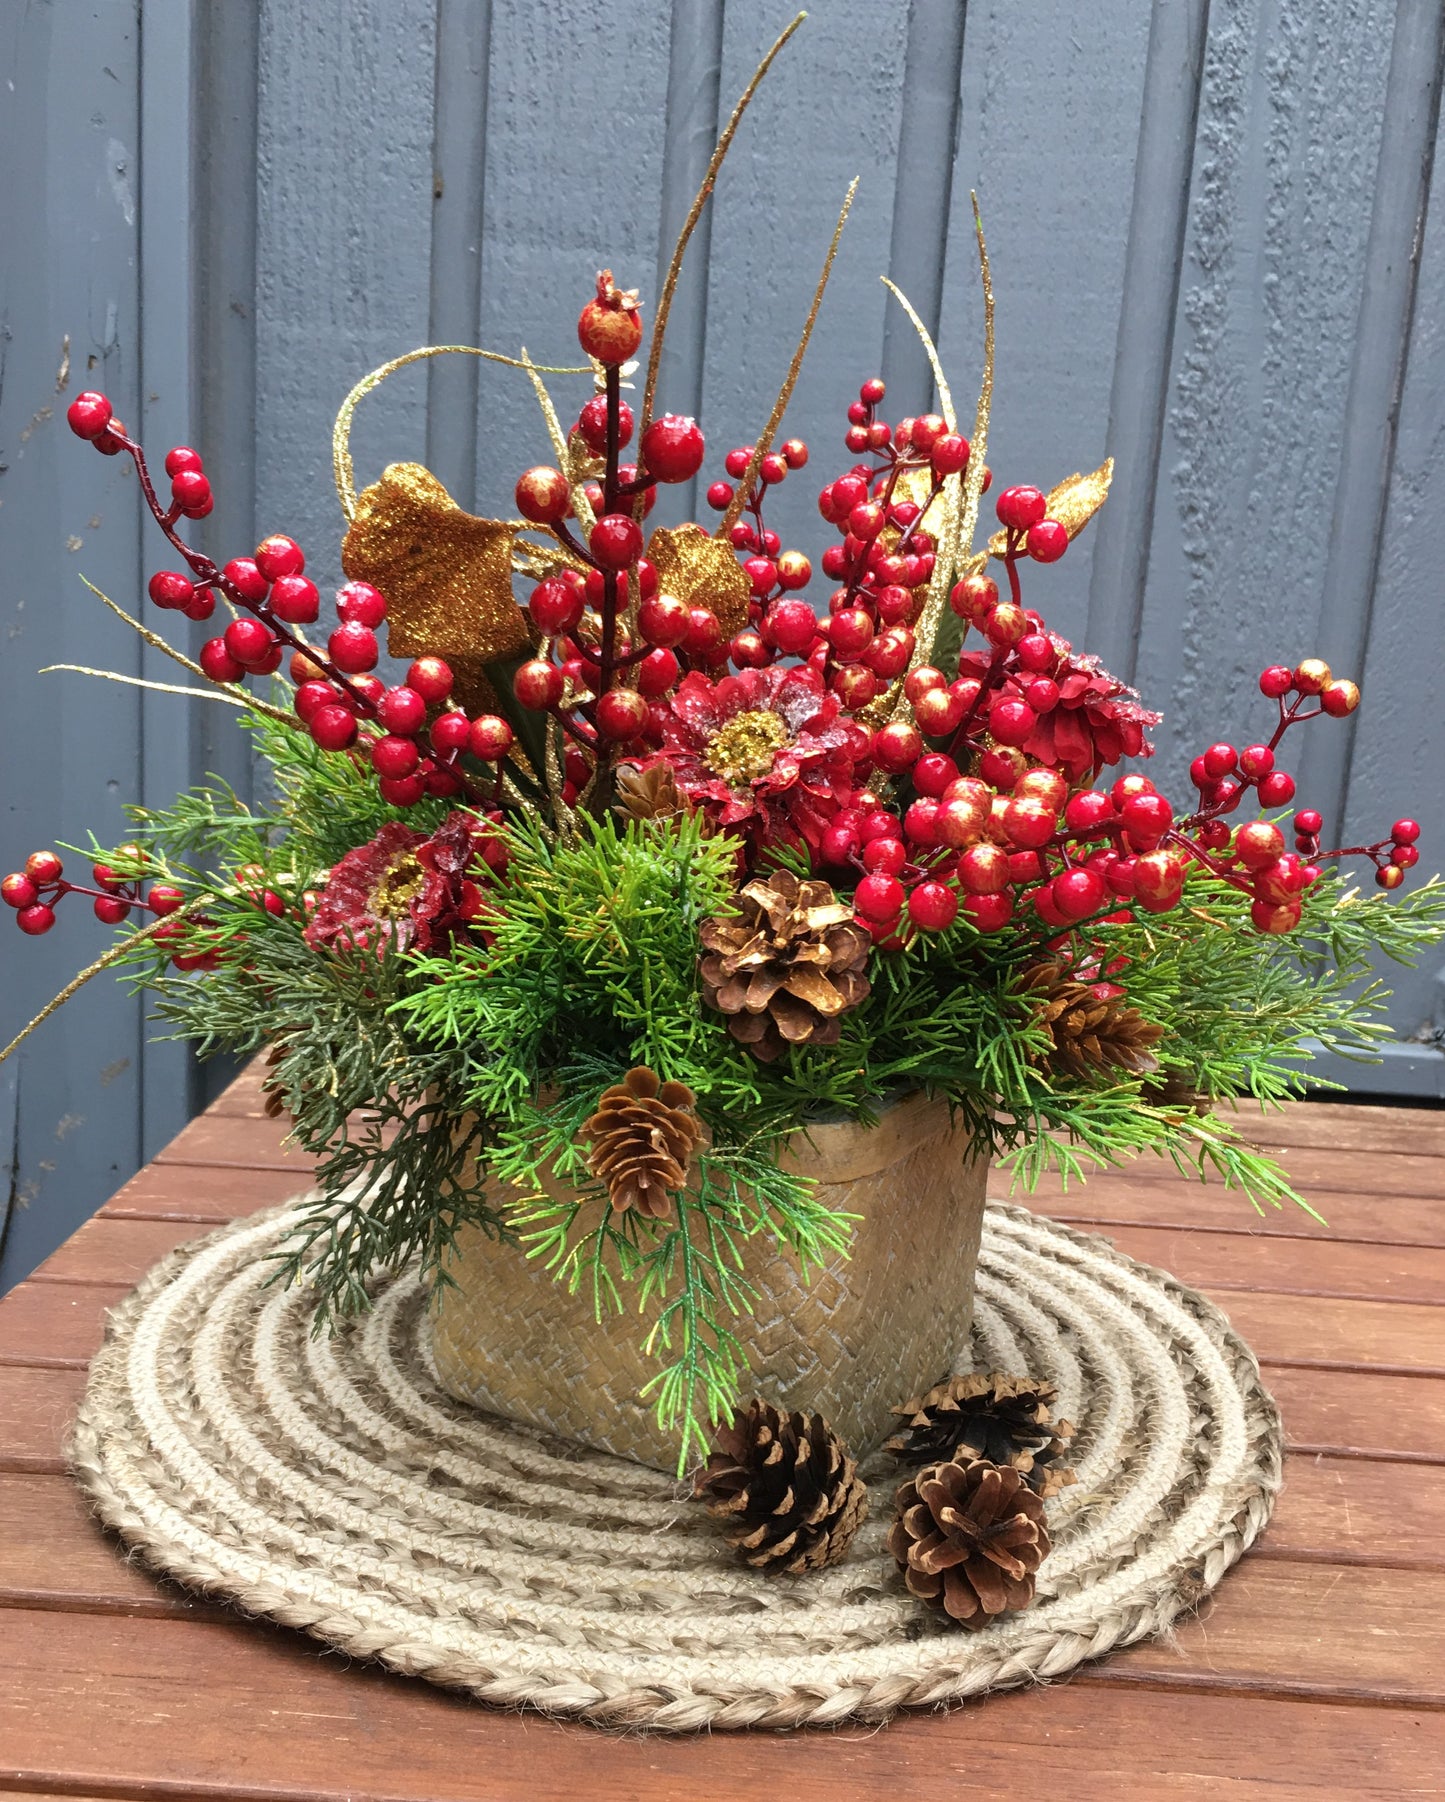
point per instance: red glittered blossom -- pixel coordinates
(767, 754)
(1098, 719)
(405, 891)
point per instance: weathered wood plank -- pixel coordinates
(55, 1325)
(201, 1193)
(1294, 1266)
(1311, 1330)
(217, 1710)
(1352, 1511)
(246, 1144)
(36, 1409)
(1361, 1413)
(109, 1251)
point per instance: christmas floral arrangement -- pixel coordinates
(654, 849)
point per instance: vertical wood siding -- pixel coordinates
(1214, 248)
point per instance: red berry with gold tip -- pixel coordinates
(279, 556)
(983, 869)
(1257, 843)
(1275, 917)
(592, 425)
(431, 678)
(610, 327)
(1312, 676)
(1339, 698)
(538, 685)
(542, 495)
(88, 415)
(491, 738)
(896, 747)
(18, 890)
(1390, 877)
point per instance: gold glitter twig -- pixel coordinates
(780, 406)
(956, 538)
(341, 462)
(113, 956)
(158, 643)
(674, 268)
(212, 693)
(940, 380)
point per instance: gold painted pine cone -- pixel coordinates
(1091, 1035)
(643, 1136)
(788, 1495)
(970, 1538)
(787, 966)
(1004, 1419)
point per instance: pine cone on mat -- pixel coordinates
(789, 1496)
(1091, 1033)
(787, 966)
(969, 1538)
(643, 1136)
(1007, 1420)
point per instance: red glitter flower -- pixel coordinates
(1098, 719)
(403, 890)
(767, 754)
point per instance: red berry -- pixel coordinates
(791, 626)
(621, 714)
(719, 496)
(1029, 822)
(1047, 541)
(872, 391)
(1257, 843)
(933, 906)
(1146, 816)
(394, 757)
(1012, 722)
(1272, 917)
(1079, 893)
(165, 898)
(990, 912)
(761, 573)
(704, 634)
(248, 641)
(1220, 760)
(247, 580)
(672, 448)
(542, 495)
(1276, 789)
(896, 747)
(451, 732)
(1339, 698)
(1312, 676)
(88, 415)
(1276, 681)
(359, 604)
(279, 556)
(1405, 857)
(1035, 652)
(1020, 507)
(983, 869)
(850, 632)
(191, 492)
(592, 424)
(35, 919)
(431, 677)
(168, 588)
(295, 600)
(609, 327)
(403, 791)
(402, 710)
(616, 540)
(879, 898)
(538, 685)
(748, 651)
(218, 663)
(885, 856)
(657, 672)
(949, 454)
(490, 738)
(110, 911)
(109, 441)
(352, 648)
(920, 823)
(182, 457)
(18, 890)
(311, 695)
(1403, 832)
(933, 774)
(1088, 811)
(838, 845)
(333, 727)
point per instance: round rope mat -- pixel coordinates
(330, 1484)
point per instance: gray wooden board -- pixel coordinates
(1196, 212)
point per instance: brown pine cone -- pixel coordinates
(787, 966)
(1090, 1035)
(970, 1538)
(643, 1136)
(1007, 1420)
(785, 1488)
(648, 794)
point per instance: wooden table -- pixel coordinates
(1318, 1670)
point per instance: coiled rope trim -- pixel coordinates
(331, 1485)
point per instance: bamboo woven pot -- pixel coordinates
(865, 1332)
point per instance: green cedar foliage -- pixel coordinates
(444, 1090)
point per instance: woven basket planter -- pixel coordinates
(862, 1334)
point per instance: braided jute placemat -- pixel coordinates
(331, 1485)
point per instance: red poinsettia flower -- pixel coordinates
(767, 754)
(403, 890)
(1097, 721)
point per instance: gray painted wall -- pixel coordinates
(1214, 252)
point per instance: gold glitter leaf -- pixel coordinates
(701, 571)
(1074, 502)
(446, 575)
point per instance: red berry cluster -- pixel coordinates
(120, 891)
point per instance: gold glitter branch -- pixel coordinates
(940, 380)
(780, 406)
(674, 268)
(113, 956)
(341, 431)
